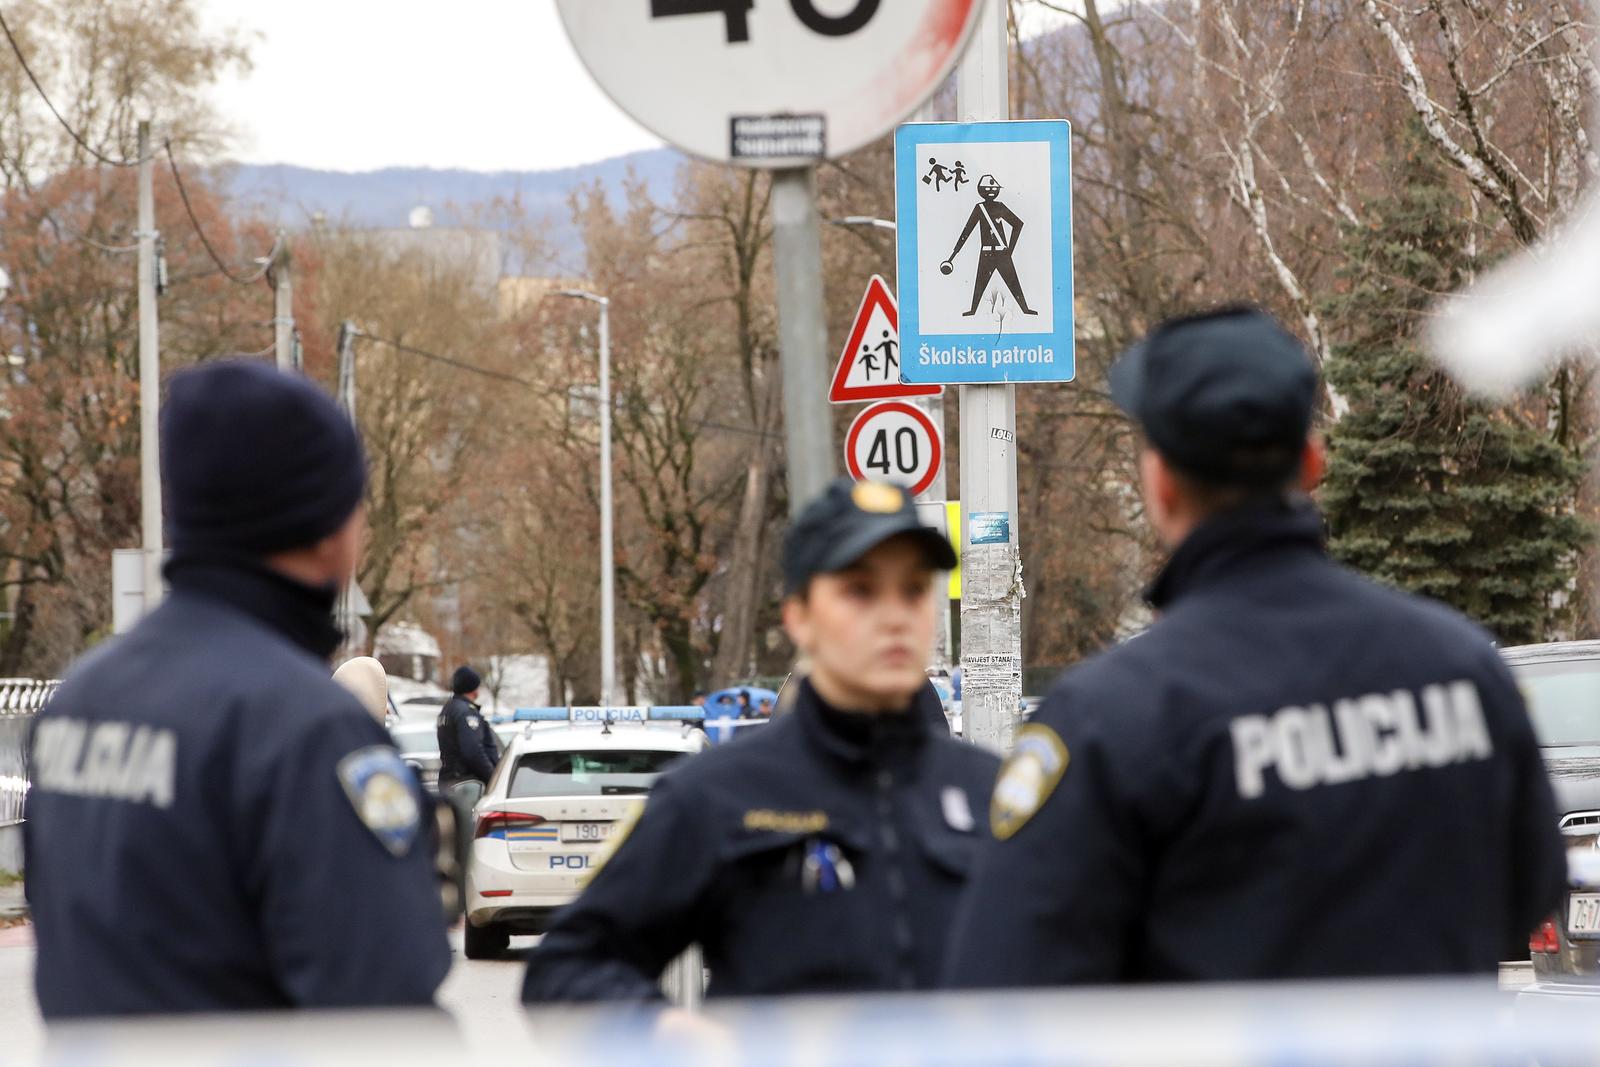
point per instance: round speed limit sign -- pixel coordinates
(894, 442)
(769, 83)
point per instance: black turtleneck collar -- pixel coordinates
(1219, 543)
(299, 612)
(857, 736)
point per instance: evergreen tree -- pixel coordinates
(1428, 489)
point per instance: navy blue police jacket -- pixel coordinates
(1295, 772)
(215, 825)
(468, 748)
(824, 853)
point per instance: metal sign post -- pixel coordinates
(802, 333)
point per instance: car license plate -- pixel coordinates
(572, 832)
(1583, 915)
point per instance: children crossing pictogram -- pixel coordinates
(869, 366)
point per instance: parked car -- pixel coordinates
(560, 792)
(1561, 683)
(418, 742)
(1566, 947)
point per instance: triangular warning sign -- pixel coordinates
(869, 366)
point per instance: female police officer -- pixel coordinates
(825, 852)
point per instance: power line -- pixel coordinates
(486, 372)
(183, 194)
(69, 234)
(65, 125)
(450, 360)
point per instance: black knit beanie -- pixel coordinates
(465, 680)
(255, 460)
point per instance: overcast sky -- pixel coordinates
(359, 85)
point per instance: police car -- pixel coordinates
(568, 778)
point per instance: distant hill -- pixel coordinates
(291, 196)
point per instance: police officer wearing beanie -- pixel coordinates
(1294, 772)
(468, 748)
(215, 824)
(826, 851)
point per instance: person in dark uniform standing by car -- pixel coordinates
(215, 824)
(468, 748)
(1294, 772)
(827, 851)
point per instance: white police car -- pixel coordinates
(567, 779)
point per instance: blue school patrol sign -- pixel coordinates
(984, 247)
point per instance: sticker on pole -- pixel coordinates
(984, 248)
(894, 442)
(869, 366)
(769, 83)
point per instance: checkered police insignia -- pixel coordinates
(877, 498)
(1027, 779)
(379, 786)
(473, 722)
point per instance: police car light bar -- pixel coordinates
(591, 714)
(678, 713)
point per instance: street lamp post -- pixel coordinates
(608, 614)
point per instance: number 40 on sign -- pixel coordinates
(894, 442)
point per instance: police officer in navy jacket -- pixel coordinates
(826, 851)
(214, 824)
(468, 748)
(1295, 772)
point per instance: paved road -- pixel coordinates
(483, 995)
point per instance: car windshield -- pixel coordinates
(1563, 700)
(588, 773)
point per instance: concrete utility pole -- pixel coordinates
(991, 574)
(802, 334)
(149, 378)
(283, 307)
(608, 562)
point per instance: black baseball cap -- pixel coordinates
(1226, 396)
(850, 519)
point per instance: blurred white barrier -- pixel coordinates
(1455, 1023)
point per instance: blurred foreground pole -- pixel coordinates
(991, 573)
(149, 379)
(283, 307)
(802, 334)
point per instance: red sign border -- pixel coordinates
(866, 416)
(877, 295)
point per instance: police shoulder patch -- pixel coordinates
(379, 786)
(473, 722)
(1027, 778)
